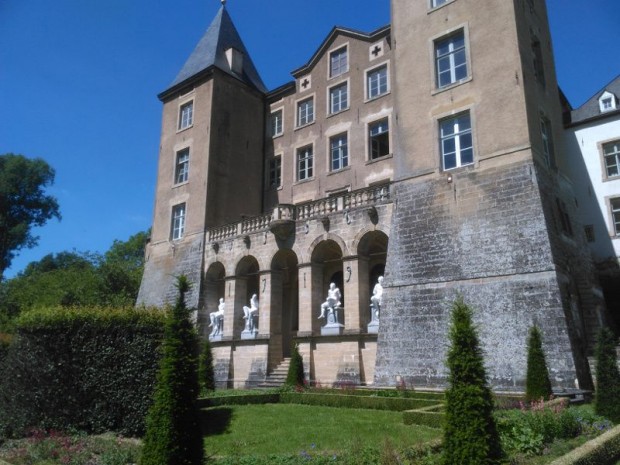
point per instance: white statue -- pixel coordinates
(376, 299)
(332, 302)
(249, 314)
(217, 319)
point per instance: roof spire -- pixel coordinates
(223, 2)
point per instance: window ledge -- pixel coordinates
(456, 169)
(378, 159)
(338, 112)
(303, 181)
(433, 9)
(334, 172)
(452, 86)
(185, 128)
(377, 97)
(305, 125)
(276, 136)
(180, 184)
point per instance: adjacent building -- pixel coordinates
(429, 151)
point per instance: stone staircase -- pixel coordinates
(277, 377)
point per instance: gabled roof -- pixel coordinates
(336, 31)
(210, 52)
(591, 109)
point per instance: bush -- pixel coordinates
(604, 449)
(470, 435)
(206, 374)
(395, 404)
(537, 384)
(91, 369)
(607, 394)
(173, 432)
(295, 375)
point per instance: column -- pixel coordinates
(310, 279)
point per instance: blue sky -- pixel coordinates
(79, 79)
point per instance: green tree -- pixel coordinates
(295, 374)
(607, 394)
(537, 383)
(23, 203)
(173, 434)
(206, 374)
(470, 434)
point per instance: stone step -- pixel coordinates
(277, 377)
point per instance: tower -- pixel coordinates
(483, 208)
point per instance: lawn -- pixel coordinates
(286, 428)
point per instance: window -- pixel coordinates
(338, 98)
(379, 139)
(547, 139)
(377, 82)
(181, 170)
(186, 115)
(305, 161)
(338, 63)
(339, 151)
(456, 141)
(564, 217)
(451, 59)
(615, 213)
(276, 123)
(305, 112)
(275, 171)
(607, 102)
(589, 232)
(611, 152)
(539, 70)
(178, 221)
(436, 3)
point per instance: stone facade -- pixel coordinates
(423, 151)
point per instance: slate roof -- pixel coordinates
(590, 109)
(210, 52)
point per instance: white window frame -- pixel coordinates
(607, 102)
(382, 132)
(186, 118)
(178, 221)
(338, 68)
(614, 152)
(276, 123)
(451, 56)
(304, 162)
(614, 215)
(339, 151)
(461, 129)
(181, 166)
(308, 117)
(338, 101)
(274, 172)
(381, 85)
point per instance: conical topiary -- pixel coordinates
(470, 434)
(173, 435)
(537, 383)
(607, 394)
(295, 375)
(206, 374)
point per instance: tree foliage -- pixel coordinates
(23, 203)
(537, 383)
(206, 373)
(607, 394)
(470, 434)
(295, 375)
(173, 434)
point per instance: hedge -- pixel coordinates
(603, 450)
(215, 401)
(91, 369)
(432, 416)
(397, 404)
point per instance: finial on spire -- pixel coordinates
(223, 2)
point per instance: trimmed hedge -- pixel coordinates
(91, 369)
(396, 404)
(432, 416)
(244, 399)
(603, 450)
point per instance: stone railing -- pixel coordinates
(319, 208)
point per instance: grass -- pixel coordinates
(285, 428)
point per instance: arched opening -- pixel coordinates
(373, 248)
(214, 289)
(284, 300)
(328, 255)
(246, 284)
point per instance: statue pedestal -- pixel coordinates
(216, 337)
(247, 334)
(332, 329)
(373, 327)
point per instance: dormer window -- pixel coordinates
(235, 60)
(607, 102)
(338, 62)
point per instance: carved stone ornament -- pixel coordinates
(282, 229)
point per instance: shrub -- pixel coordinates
(206, 374)
(295, 375)
(537, 384)
(470, 435)
(91, 369)
(173, 433)
(607, 394)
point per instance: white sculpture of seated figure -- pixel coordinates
(331, 304)
(250, 314)
(217, 319)
(376, 299)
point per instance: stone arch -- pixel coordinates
(247, 283)
(213, 289)
(284, 300)
(327, 237)
(328, 268)
(371, 248)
